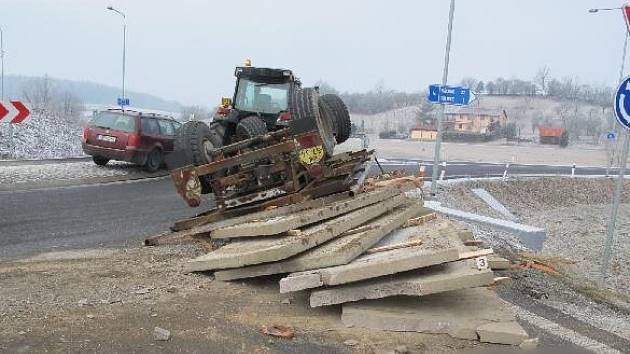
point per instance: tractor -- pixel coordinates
(272, 134)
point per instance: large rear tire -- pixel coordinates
(341, 117)
(250, 127)
(196, 139)
(305, 105)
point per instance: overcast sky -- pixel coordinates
(186, 50)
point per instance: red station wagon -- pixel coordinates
(132, 136)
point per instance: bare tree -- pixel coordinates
(542, 77)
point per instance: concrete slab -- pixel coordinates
(291, 221)
(440, 278)
(494, 204)
(498, 263)
(502, 333)
(371, 266)
(531, 236)
(439, 245)
(457, 313)
(267, 214)
(340, 250)
(270, 249)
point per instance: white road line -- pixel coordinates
(96, 184)
(564, 333)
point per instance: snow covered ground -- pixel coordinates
(42, 137)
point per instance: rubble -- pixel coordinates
(377, 254)
(161, 334)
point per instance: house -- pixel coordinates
(550, 135)
(474, 120)
(423, 133)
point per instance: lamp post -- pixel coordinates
(607, 253)
(111, 8)
(438, 138)
(2, 64)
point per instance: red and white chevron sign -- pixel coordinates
(13, 112)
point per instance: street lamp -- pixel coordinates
(607, 254)
(2, 64)
(111, 8)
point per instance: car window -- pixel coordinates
(166, 127)
(114, 121)
(150, 126)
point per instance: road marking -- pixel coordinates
(563, 332)
(129, 181)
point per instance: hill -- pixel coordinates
(90, 93)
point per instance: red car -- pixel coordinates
(132, 136)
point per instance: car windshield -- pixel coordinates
(261, 97)
(115, 121)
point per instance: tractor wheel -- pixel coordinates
(250, 127)
(196, 139)
(341, 117)
(305, 105)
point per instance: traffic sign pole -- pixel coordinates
(615, 208)
(438, 138)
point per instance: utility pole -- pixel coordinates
(610, 234)
(438, 138)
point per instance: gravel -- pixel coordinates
(574, 211)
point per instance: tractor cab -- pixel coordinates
(262, 92)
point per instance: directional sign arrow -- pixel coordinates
(14, 112)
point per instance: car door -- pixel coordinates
(167, 132)
(150, 134)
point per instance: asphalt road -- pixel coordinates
(115, 214)
(96, 215)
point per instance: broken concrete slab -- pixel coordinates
(502, 333)
(340, 250)
(435, 279)
(439, 245)
(286, 222)
(531, 236)
(494, 204)
(370, 266)
(457, 313)
(270, 249)
(498, 263)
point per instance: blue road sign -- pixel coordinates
(611, 136)
(622, 103)
(457, 96)
(123, 101)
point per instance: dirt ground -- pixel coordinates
(110, 301)
(497, 151)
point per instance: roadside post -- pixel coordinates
(622, 114)
(505, 172)
(573, 170)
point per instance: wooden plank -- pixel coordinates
(475, 254)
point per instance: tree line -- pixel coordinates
(379, 99)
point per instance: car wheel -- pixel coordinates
(250, 127)
(99, 160)
(154, 161)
